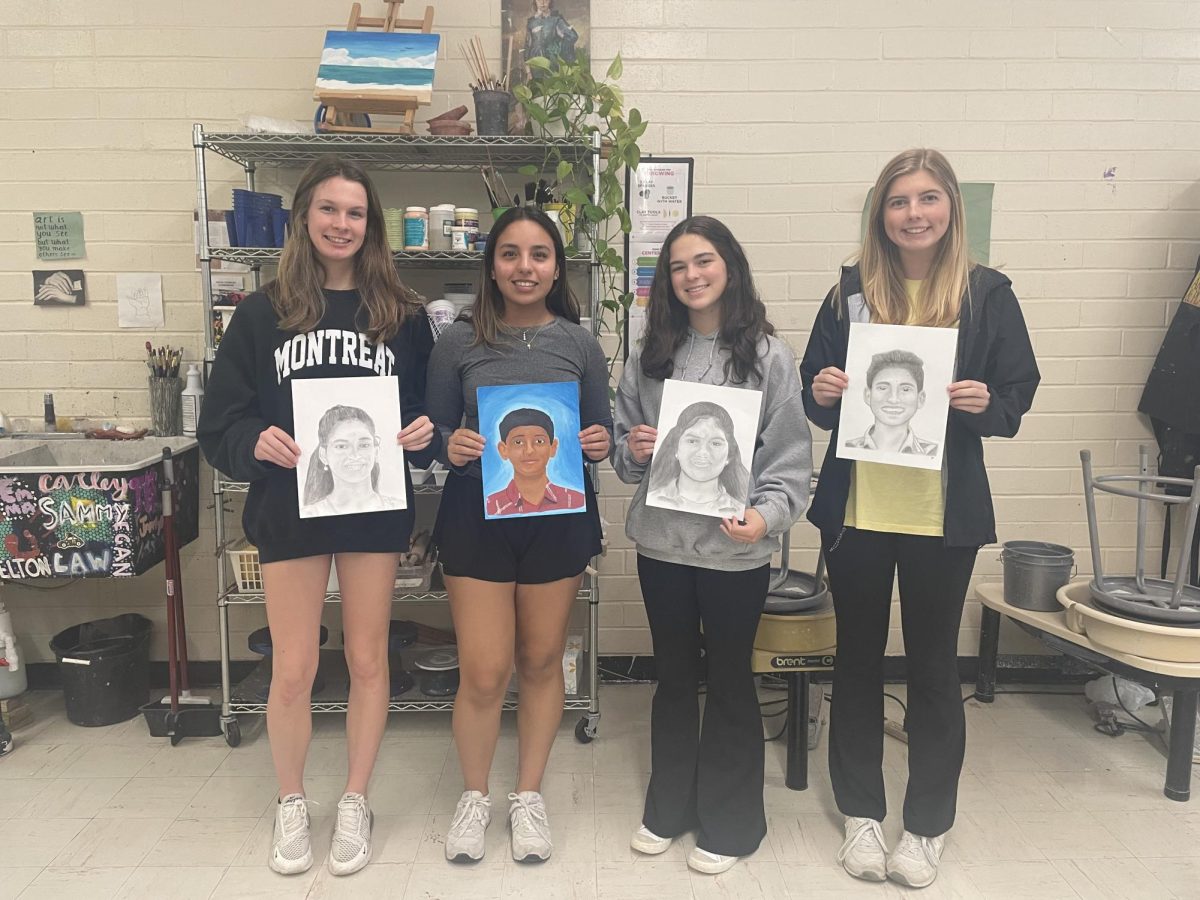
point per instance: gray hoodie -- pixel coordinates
(779, 477)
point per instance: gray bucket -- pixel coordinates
(1033, 573)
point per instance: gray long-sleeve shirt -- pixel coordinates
(779, 476)
(562, 351)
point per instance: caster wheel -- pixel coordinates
(233, 733)
(175, 739)
(585, 732)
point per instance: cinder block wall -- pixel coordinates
(790, 107)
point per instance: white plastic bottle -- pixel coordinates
(13, 680)
(191, 398)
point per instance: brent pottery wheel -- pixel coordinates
(1121, 634)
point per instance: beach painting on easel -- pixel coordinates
(391, 62)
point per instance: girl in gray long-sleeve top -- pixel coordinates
(707, 325)
(512, 580)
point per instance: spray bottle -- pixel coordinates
(13, 680)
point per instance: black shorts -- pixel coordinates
(529, 550)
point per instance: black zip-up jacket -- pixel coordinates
(993, 347)
(250, 388)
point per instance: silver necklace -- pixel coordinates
(525, 337)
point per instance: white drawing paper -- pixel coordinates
(896, 407)
(350, 461)
(139, 300)
(704, 449)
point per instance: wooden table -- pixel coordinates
(1182, 679)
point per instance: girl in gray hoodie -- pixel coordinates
(698, 573)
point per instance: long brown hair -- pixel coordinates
(296, 290)
(489, 303)
(941, 293)
(743, 314)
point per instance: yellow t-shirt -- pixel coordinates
(896, 498)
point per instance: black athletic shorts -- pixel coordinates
(525, 550)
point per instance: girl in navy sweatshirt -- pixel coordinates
(336, 309)
(878, 521)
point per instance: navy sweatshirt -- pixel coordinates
(250, 389)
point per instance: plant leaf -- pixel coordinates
(538, 62)
(615, 67)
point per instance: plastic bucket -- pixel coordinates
(491, 111)
(105, 668)
(1033, 573)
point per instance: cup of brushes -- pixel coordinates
(166, 388)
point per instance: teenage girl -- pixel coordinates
(512, 581)
(706, 324)
(877, 520)
(336, 309)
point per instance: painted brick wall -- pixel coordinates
(789, 107)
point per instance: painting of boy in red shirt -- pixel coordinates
(528, 444)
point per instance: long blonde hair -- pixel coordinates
(941, 293)
(296, 291)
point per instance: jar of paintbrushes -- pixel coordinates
(166, 408)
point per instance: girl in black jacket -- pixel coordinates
(878, 520)
(337, 309)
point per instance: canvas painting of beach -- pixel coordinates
(376, 61)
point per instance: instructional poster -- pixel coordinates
(658, 194)
(58, 235)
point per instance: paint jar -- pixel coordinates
(441, 220)
(416, 228)
(460, 237)
(467, 217)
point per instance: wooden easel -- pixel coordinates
(341, 106)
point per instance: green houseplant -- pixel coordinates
(566, 103)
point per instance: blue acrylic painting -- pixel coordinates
(388, 62)
(532, 461)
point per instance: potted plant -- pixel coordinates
(566, 104)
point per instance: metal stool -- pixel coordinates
(1138, 597)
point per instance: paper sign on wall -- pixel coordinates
(139, 300)
(59, 235)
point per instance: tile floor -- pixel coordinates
(1048, 808)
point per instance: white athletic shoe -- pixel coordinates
(292, 852)
(915, 860)
(646, 841)
(530, 827)
(710, 863)
(465, 838)
(351, 847)
(864, 854)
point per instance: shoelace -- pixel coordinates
(295, 815)
(528, 815)
(352, 814)
(467, 813)
(917, 848)
(870, 825)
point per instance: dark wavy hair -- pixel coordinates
(743, 314)
(734, 477)
(489, 303)
(319, 483)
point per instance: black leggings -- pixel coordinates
(933, 585)
(705, 776)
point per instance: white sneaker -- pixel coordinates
(646, 841)
(530, 827)
(351, 847)
(864, 854)
(465, 838)
(915, 860)
(292, 851)
(710, 863)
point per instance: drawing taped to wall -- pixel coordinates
(64, 287)
(705, 449)
(350, 461)
(896, 406)
(532, 461)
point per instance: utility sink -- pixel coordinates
(76, 508)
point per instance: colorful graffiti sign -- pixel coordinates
(92, 524)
